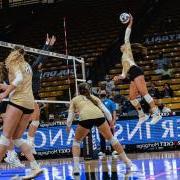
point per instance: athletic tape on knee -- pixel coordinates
(134, 102)
(4, 140)
(76, 143)
(114, 141)
(19, 142)
(148, 98)
(35, 123)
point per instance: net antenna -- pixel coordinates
(66, 51)
(74, 59)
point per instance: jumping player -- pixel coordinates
(136, 75)
(36, 67)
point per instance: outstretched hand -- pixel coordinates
(2, 96)
(130, 20)
(131, 17)
(117, 78)
(53, 40)
(50, 40)
(3, 86)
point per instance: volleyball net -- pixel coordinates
(60, 74)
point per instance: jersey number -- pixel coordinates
(28, 69)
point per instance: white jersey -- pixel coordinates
(127, 57)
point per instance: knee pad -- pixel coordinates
(19, 142)
(4, 141)
(134, 102)
(114, 141)
(148, 98)
(76, 143)
(35, 123)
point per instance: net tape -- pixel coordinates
(47, 101)
(39, 51)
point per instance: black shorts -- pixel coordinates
(23, 109)
(134, 72)
(88, 124)
(3, 106)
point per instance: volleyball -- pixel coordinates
(124, 18)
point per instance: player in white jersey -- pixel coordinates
(92, 113)
(19, 109)
(136, 76)
(12, 157)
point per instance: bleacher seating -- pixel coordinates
(90, 33)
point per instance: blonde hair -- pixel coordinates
(14, 58)
(138, 48)
(1, 72)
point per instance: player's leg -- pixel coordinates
(24, 146)
(106, 132)
(10, 122)
(133, 93)
(35, 116)
(142, 88)
(12, 157)
(80, 133)
(102, 146)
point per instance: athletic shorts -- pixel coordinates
(3, 106)
(89, 123)
(134, 72)
(23, 109)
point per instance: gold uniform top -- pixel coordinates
(127, 57)
(86, 108)
(22, 95)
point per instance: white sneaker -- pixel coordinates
(76, 171)
(115, 153)
(155, 117)
(14, 161)
(101, 154)
(131, 166)
(33, 173)
(34, 150)
(32, 145)
(143, 119)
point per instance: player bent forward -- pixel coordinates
(92, 113)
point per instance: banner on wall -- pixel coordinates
(161, 38)
(51, 140)
(57, 73)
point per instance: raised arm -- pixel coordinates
(106, 112)
(71, 114)
(48, 45)
(128, 30)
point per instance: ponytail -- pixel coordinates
(84, 90)
(88, 96)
